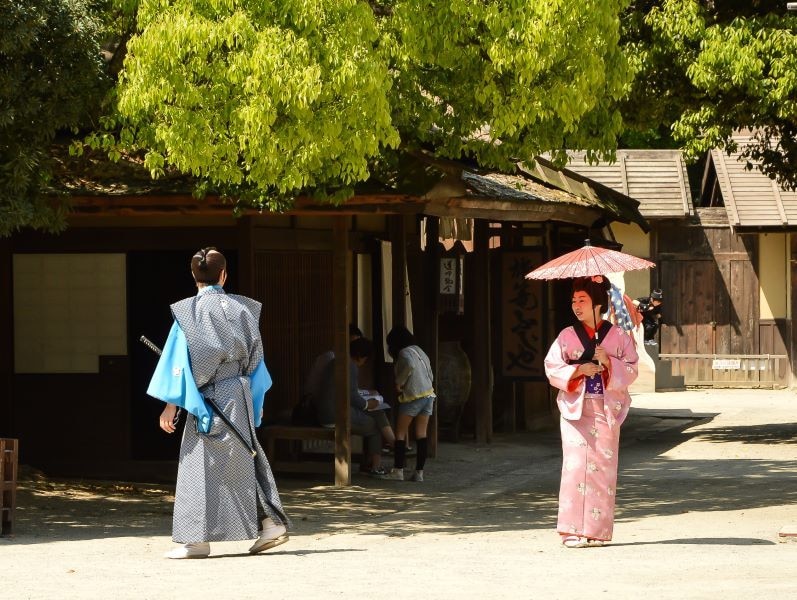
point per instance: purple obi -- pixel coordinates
(594, 384)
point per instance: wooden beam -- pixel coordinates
(7, 425)
(166, 204)
(341, 284)
(575, 215)
(388, 204)
(683, 179)
(480, 322)
(624, 173)
(124, 239)
(728, 197)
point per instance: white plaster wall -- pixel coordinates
(636, 242)
(773, 275)
(69, 309)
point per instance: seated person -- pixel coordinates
(650, 309)
(370, 424)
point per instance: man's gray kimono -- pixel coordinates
(222, 492)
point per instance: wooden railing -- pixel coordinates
(730, 370)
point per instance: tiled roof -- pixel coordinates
(751, 198)
(656, 178)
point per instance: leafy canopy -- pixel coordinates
(50, 76)
(501, 81)
(707, 68)
(266, 100)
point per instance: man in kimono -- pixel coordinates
(592, 364)
(214, 351)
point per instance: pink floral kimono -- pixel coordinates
(592, 413)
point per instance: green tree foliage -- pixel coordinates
(255, 99)
(50, 76)
(502, 81)
(266, 100)
(705, 68)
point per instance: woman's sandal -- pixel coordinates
(574, 541)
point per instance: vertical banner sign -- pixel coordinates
(522, 350)
(452, 297)
(448, 275)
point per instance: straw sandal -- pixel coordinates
(574, 541)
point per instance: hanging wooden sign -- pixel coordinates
(521, 304)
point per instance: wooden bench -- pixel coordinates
(271, 434)
(298, 461)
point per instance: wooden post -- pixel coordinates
(549, 305)
(9, 462)
(398, 242)
(341, 284)
(792, 344)
(7, 424)
(480, 322)
(246, 256)
(432, 270)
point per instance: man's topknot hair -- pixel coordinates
(207, 265)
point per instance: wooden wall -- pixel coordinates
(295, 288)
(710, 291)
(64, 419)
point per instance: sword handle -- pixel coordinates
(144, 340)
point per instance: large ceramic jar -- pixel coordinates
(453, 383)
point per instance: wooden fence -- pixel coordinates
(731, 370)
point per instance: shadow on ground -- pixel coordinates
(777, 433)
(702, 542)
(511, 484)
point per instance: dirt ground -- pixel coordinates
(707, 481)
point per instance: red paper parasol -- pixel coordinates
(587, 261)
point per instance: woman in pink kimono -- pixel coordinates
(592, 364)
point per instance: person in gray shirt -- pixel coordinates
(414, 382)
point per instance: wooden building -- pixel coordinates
(722, 262)
(73, 375)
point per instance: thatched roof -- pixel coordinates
(420, 184)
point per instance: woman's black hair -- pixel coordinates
(361, 348)
(598, 291)
(399, 338)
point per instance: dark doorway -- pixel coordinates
(154, 281)
(295, 288)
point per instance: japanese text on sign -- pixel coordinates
(448, 276)
(521, 317)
